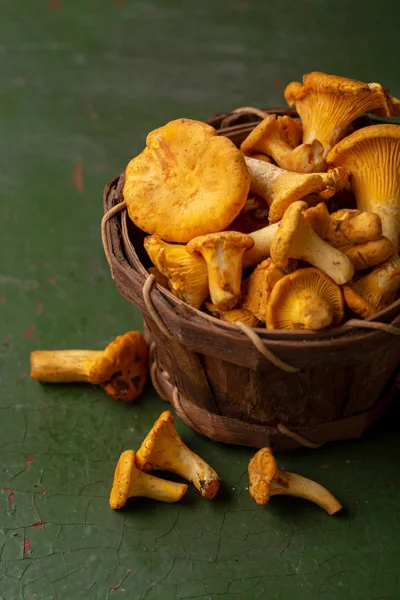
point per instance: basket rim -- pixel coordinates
(274, 337)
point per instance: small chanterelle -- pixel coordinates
(161, 450)
(314, 192)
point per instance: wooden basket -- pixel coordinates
(254, 387)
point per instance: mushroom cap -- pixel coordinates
(122, 369)
(259, 287)
(281, 246)
(262, 470)
(331, 84)
(272, 128)
(187, 182)
(371, 156)
(233, 316)
(318, 218)
(345, 153)
(187, 274)
(164, 423)
(380, 286)
(321, 301)
(122, 479)
(371, 253)
(231, 240)
(357, 303)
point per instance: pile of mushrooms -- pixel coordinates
(297, 229)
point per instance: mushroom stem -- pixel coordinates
(164, 450)
(130, 482)
(223, 254)
(296, 239)
(280, 188)
(63, 366)
(267, 480)
(263, 239)
(149, 486)
(311, 311)
(291, 484)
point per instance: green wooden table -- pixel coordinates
(83, 82)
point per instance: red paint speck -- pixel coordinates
(112, 589)
(29, 461)
(28, 332)
(53, 278)
(327, 466)
(43, 493)
(54, 6)
(10, 492)
(78, 176)
(38, 525)
(132, 429)
(27, 545)
(129, 570)
(39, 309)
(278, 83)
(3, 299)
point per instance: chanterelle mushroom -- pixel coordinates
(373, 292)
(305, 299)
(121, 368)
(223, 254)
(327, 104)
(370, 253)
(296, 239)
(164, 450)
(187, 274)
(280, 188)
(344, 227)
(233, 316)
(129, 481)
(187, 182)
(280, 137)
(259, 287)
(267, 480)
(371, 156)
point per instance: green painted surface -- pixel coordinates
(82, 83)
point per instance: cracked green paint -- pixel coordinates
(82, 84)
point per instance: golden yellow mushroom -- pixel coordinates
(345, 226)
(378, 289)
(327, 104)
(357, 304)
(121, 368)
(160, 279)
(280, 188)
(186, 273)
(280, 137)
(164, 450)
(305, 299)
(263, 239)
(233, 316)
(370, 253)
(129, 481)
(187, 182)
(296, 239)
(223, 254)
(267, 480)
(371, 156)
(259, 287)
